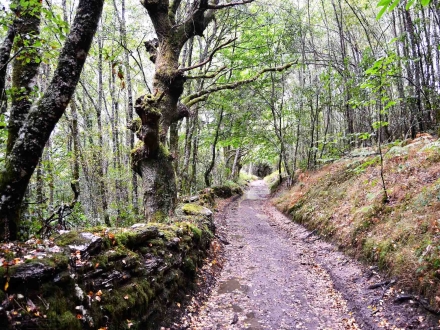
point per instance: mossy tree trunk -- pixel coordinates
(5, 53)
(157, 112)
(35, 131)
(25, 66)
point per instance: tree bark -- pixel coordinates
(25, 67)
(99, 156)
(213, 147)
(5, 53)
(28, 147)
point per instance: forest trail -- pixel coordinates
(279, 276)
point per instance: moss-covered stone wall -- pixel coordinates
(104, 278)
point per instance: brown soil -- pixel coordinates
(277, 275)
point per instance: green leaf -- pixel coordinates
(383, 3)
(409, 4)
(382, 11)
(425, 2)
(393, 5)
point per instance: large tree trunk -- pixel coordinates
(151, 160)
(28, 147)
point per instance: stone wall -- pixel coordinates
(104, 278)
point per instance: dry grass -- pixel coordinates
(343, 201)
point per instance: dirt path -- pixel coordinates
(279, 276)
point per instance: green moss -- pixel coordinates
(70, 238)
(59, 261)
(197, 232)
(189, 266)
(129, 301)
(67, 321)
(101, 260)
(139, 145)
(163, 151)
(156, 242)
(193, 209)
(159, 216)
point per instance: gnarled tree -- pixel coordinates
(157, 112)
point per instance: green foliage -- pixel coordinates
(389, 5)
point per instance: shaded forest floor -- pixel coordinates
(277, 275)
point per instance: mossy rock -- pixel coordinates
(195, 209)
(222, 191)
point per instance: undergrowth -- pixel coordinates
(343, 202)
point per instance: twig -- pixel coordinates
(310, 234)
(209, 58)
(422, 302)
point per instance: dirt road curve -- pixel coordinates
(278, 276)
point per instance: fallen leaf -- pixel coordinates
(98, 298)
(79, 316)
(6, 285)
(99, 293)
(126, 297)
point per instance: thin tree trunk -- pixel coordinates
(129, 109)
(99, 152)
(5, 53)
(213, 149)
(25, 68)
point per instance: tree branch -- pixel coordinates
(207, 75)
(209, 58)
(232, 4)
(202, 95)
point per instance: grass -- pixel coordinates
(273, 181)
(343, 201)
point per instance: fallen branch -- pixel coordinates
(423, 302)
(62, 212)
(379, 285)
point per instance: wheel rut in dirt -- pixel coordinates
(279, 276)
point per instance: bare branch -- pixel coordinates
(202, 95)
(207, 75)
(209, 58)
(232, 4)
